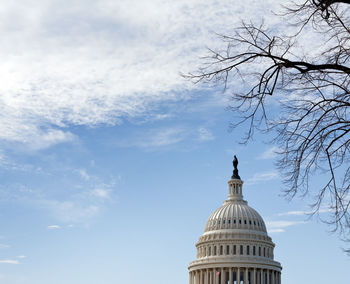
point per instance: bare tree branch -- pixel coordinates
(312, 127)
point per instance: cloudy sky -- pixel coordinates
(111, 162)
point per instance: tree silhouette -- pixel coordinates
(312, 88)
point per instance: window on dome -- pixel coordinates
(241, 249)
(234, 221)
(224, 222)
(234, 249)
(227, 250)
(214, 250)
(209, 251)
(219, 222)
(245, 222)
(250, 222)
(221, 250)
(264, 252)
(240, 221)
(254, 223)
(253, 250)
(248, 250)
(229, 221)
(259, 251)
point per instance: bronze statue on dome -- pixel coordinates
(235, 168)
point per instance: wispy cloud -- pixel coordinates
(4, 246)
(48, 138)
(155, 138)
(269, 153)
(271, 231)
(204, 134)
(9, 261)
(280, 226)
(115, 63)
(84, 174)
(101, 193)
(80, 202)
(303, 212)
(54, 227)
(70, 211)
(262, 177)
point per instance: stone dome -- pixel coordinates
(235, 215)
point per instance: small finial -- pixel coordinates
(235, 169)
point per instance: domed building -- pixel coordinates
(235, 247)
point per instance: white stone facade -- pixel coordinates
(235, 247)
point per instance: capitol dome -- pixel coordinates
(235, 215)
(235, 247)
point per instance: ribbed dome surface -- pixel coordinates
(235, 214)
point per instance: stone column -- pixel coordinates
(262, 276)
(238, 276)
(253, 277)
(223, 275)
(273, 277)
(268, 276)
(246, 276)
(230, 278)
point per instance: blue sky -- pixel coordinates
(110, 162)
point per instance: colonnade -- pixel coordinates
(235, 275)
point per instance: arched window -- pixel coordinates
(214, 250)
(253, 250)
(240, 221)
(259, 251)
(227, 250)
(241, 250)
(234, 249)
(248, 250)
(245, 222)
(234, 221)
(221, 250)
(209, 251)
(264, 252)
